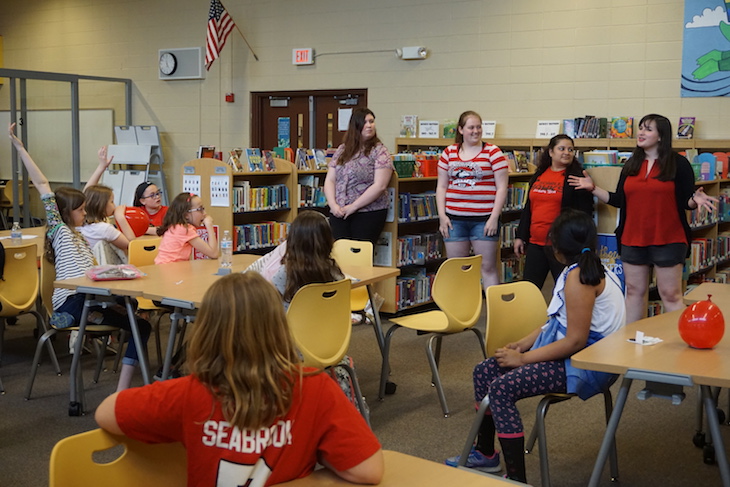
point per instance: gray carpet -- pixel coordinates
(654, 438)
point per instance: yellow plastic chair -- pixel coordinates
(319, 319)
(457, 291)
(73, 464)
(355, 253)
(514, 310)
(48, 275)
(141, 252)
(19, 289)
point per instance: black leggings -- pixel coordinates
(363, 225)
(539, 260)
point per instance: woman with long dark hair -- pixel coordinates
(549, 193)
(655, 189)
(356, 182)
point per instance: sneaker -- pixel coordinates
(477, 460)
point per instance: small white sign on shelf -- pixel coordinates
(489, 129)
(547, 129)
(219, 191)
(191, 184)
(428, 129)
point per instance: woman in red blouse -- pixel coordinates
(655, 188)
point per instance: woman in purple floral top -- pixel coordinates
(356, 182)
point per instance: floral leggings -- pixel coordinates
(506, 386)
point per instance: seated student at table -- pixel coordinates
(587, 305)
(148, 198)
(71, 255)
(107, 242)
(248, 414)
(179, 234)
(308, 256)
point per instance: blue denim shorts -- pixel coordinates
(469, 230)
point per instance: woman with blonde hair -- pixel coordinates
(248, 412)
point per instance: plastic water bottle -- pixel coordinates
(16, 234)
(226, 250)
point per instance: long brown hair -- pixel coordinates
(459, 137)
(353, 137)
(546, 160)
(308, 256)
(243, 352)
(67, 199)
(97, 199)
(177, 212)
(666, 160)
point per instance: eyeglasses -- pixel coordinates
(192, 210)
(153, 195)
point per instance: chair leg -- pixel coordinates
(437, 358)
(37, 359)
(482, 343)
(358, 393)
(3, 321)
(385, 370)
(122, 340)
(542, 410)
(100, 345)
(612, 454)
(474, 431)
(2, 387)
(435, 373)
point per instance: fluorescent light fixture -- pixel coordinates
(411, 53)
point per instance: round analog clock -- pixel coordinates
(168, 63)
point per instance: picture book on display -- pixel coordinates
(409, 126)
(253, 157)
(449, 129)
(622, 128)
(206, 152)
(234, 159)
(268, 160)
(686, 129)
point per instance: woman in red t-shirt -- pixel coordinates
(653, 182)
(549, 193)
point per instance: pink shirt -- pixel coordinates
(175, 245)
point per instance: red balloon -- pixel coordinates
(701, 324)
(137, 219)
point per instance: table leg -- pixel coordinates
(141, 347)
(376, 317)
(610, 435)
(175, 316)
(714, 425)
(76, 408)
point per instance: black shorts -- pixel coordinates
(667, 255)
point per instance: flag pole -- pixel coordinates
(242, 36)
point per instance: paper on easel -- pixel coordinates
(489, 128)
(547, 129)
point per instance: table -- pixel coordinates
(170, 289)
(720, 293)
(182, 285)
(403, 470)
(30, 235)
(669, 362)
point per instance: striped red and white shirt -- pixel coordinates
(471, 190)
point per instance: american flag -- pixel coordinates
(220, 25)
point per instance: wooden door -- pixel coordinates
(309, 119)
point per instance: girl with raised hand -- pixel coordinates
(71, 255)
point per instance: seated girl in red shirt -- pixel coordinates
(248, 414)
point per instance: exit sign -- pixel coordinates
(302, 56)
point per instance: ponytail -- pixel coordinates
(574, 236)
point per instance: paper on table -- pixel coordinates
(25, 237)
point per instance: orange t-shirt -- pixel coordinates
(546, 196)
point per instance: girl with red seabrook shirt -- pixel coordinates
(655, 188)
(248, 413)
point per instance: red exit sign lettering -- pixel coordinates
(302, 56)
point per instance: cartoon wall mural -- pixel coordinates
(706, 51)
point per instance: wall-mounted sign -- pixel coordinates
(302, 56)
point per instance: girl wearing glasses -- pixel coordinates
(179, 234)
(148, 198)
(549, 193)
